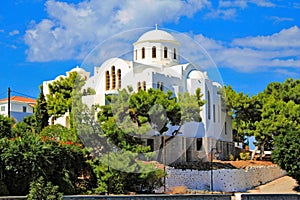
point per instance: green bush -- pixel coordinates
(286, 153)
(245, 156)
(231, 157)
(40, 190)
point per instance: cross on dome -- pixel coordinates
(156, 26)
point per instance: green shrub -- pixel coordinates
(39, 190)
(231, 157)
(245, 156)
(286, 153)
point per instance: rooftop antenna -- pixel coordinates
(156, 26)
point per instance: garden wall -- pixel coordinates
(225, 180)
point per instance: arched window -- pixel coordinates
(153, 52)
(119, 78)
(143, 52)
(174, 53)
(160, 85)
(166, 52)
(113, 77)
(139, 86)
(144, 85)
(208, 105)
(135, 54)
(107, 80)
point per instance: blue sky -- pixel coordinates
(253, 42)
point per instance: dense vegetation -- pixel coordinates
(273, 117)
(104, 155)
(38, 159)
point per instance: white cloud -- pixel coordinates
(263, 3)
(244, 3)
(284, 72)
(222, 13)
(14, 32)
(277, 19)
(281, 50)
(236, 3)
(72, 30)
(286, 39)
(227, 9)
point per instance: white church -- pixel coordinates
(156, 64)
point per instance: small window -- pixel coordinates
(225, 127)
(139, 86)
(208, 105)
(160, 85)
(119, 78)
(113, 77)
(166, 52)
(24, 109)
(2, 108)
(199, 144)
(144, 85)
(107, 81)
(174, 53)
(135, 54)
(143, 52)
(150, 142)
(52, 121)
(153, 52)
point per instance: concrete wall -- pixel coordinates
(225, 180)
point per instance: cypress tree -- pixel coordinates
(41, 113)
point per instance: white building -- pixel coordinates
(156, 64)
(20, 107)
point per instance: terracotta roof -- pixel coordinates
(19, 99)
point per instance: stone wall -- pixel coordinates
(225, 180)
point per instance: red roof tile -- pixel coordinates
(19, 99)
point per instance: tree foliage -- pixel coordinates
(5, 126)
(41, 115)
(28, 156)
(287, 152)
(40, 190)
(124, 120)
(269, 116)
(59, 99)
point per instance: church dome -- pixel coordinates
(156, 35)
(78, 70)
